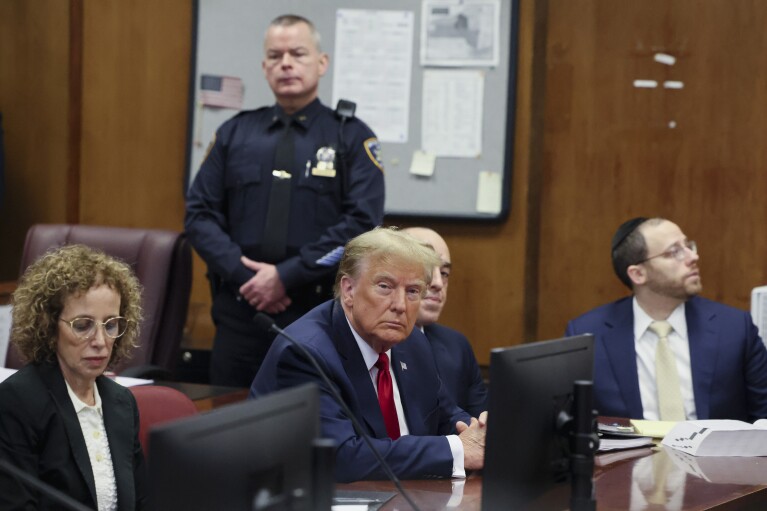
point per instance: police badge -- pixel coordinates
(326, 159)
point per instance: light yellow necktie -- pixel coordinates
(670, 404)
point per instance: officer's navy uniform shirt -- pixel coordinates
(228, 201)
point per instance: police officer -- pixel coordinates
(281, 191)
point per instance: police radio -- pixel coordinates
(344, 110)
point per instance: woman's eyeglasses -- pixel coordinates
(85, 328)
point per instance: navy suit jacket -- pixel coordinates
(41, 435)
(458, 368)
(429, 411)
(728, 360)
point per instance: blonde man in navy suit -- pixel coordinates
(456, 363)
(366, 342)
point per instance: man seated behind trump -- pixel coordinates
(404, 408)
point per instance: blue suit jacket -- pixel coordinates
(457, 366)
(429, 411)
(727, 358)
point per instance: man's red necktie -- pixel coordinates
(386, 397)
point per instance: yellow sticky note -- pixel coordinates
(655, 429)
(423, 163)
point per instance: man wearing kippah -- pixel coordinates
(665, 353)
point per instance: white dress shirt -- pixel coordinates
(371, 357)
(645, 344)
(92, 424)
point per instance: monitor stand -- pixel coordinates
(580, 429)
(324, 461)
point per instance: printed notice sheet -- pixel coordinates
(373, 60)
(452, 112)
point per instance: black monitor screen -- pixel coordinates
(530, 384)
(247, 456)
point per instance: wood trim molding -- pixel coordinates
(75, 110)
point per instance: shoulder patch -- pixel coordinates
(207, 151)
(373, 148)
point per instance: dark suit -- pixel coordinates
(429, 411)
(40, 434)
(457, 366)
(728, 360)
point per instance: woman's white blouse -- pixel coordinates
(92, 423)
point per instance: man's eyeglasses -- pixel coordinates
(85, 328)
(677, 251)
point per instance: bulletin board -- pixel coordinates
(228, 41)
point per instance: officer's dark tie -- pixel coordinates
(386, 397)
(278, 214)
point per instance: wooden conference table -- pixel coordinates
(623, 480)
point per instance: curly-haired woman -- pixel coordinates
(76, 312)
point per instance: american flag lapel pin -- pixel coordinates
(403, 366)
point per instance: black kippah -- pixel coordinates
(625, 229)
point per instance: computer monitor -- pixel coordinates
(254, 455)
(525, 454)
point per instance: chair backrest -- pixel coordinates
(162, 261)
(157, 405)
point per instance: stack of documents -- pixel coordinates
(613, 437)
(612, 444)
(719, 438)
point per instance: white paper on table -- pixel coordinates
(5, 373)
(5, 331)
(125, 381)
(719, 438)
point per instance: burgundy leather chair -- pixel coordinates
(162, 261)
(157, 405)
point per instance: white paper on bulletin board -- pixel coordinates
(229, 42)
(373, 59)
(452, 112)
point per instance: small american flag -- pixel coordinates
(221, 91)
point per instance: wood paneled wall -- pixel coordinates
(590, 150)
(34, 92)
(136, 59)
(119, 140)
(614, 151)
